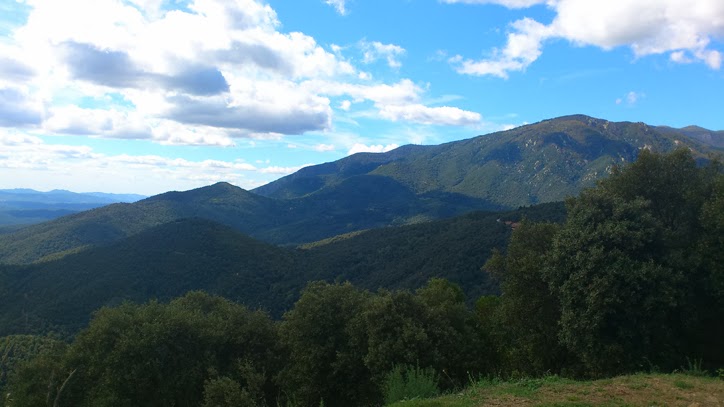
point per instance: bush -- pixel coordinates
(405, 382)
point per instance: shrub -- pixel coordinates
(406, 382)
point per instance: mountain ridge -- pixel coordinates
(167, 260)
(537, 163)
(574, 150)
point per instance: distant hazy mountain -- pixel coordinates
(60, 196)
(708, 137)
(542, 162)
(23, 206)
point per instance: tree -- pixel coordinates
(159, 354)
(528, 313)
(326, 342)
(626, 269)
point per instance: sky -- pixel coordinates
(147, 96)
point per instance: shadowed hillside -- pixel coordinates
(542, 162)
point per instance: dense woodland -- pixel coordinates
(631, 281)
(196, 254)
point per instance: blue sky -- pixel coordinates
(146, 96)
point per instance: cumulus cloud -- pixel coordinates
(26, 161)
(646, 27)
(116, 69)
(97, 122)
(397, 102)
(18, 108)
(373, 51)
(345, 105)
(255, 116)
(338, 5)
(13, 70)
(417, 113)
(215, 63)
(375, 148)
(207, 73)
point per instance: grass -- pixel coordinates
(645, 390)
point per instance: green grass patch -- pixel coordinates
(643, 390)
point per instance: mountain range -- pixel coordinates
(390, 220)
(537, 163)
(168, 260)
(21, 207)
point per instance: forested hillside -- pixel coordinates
(195, 254)
(631, 281)
(542, 162)
(22, 207)
(537, 163)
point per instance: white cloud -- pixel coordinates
(404, 91)
(523, 47)
(26, 161)
(630, 98)
(647, 27)
(338, 5)
(324, 147)
(345, 105)
(417, 113)
(206, 74)
(20, 108)
(376, 148)
(397, 102)
(219, 64)
(97, 122)
(282, 170)
(373, 51)
(680, 57)
(506, 3)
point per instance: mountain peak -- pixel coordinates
(223, 186)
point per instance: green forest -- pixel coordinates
(631, 281)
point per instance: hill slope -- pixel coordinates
(168, 260)
(19, 207)
(542, 162)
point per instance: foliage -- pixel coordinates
(542, 162)
(631, 280)
(410, 382)
(194, 254)
(225, 392)
(16, 349)
(528, 313)
(326, 343)
(633, 241)
(160, 355)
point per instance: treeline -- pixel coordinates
(335, 347)
(169, 260)
(632, 281)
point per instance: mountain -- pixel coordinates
(19, 207)
(222, 202)
(708, 137)
(173, 258)
(61, 196)
(542, 162)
